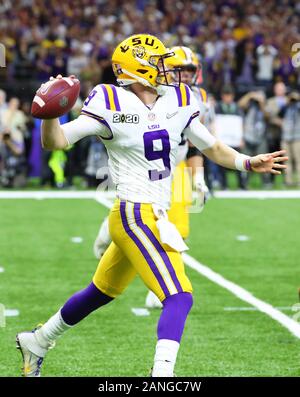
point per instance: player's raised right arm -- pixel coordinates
(55, 136)
(52, 135)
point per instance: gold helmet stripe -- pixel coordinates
(188, 54)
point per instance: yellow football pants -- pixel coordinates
(136, 249)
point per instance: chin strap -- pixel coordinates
(135, 79)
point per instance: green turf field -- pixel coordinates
(43, 267)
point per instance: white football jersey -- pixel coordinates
(141, 143)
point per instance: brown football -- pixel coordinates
(55, 98)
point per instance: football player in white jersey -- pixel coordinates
(187, 156)
(141, 138)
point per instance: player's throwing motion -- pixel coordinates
(141, 124)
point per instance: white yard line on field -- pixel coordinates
(243, 294)
(253, 309)
(140, 311)
(105, 198)
(53, 194)
(258, 194)
(11, 312)
(66, 194)
(1, 269)
(76, 240)
(242, 238)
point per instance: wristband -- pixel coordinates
(240, 162)
(248, 165)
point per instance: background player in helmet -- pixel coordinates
(191, 74)
(142, 145)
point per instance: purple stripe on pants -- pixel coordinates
(157, 245)
(105, 96)
(116, 99)
(143, 250)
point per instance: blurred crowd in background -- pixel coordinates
(246, 54)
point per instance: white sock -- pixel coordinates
(51, 330)
(165, 358)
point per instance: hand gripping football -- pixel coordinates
(55, 98)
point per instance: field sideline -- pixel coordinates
(42, 268)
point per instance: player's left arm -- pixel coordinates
(230, 158)
(227, 157)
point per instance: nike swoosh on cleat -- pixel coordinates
(170, 115)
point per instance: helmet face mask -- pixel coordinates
(141, 58)
(167, 75)
(188, 74)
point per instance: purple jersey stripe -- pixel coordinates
(116, 99)
(105, 96)
(143, 250)
(179, 96)
(93, 115)
(157, 245)
(106, 138)
(194, 115)
(188, 96)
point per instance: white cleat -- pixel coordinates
(32, 353)
(152, 301)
